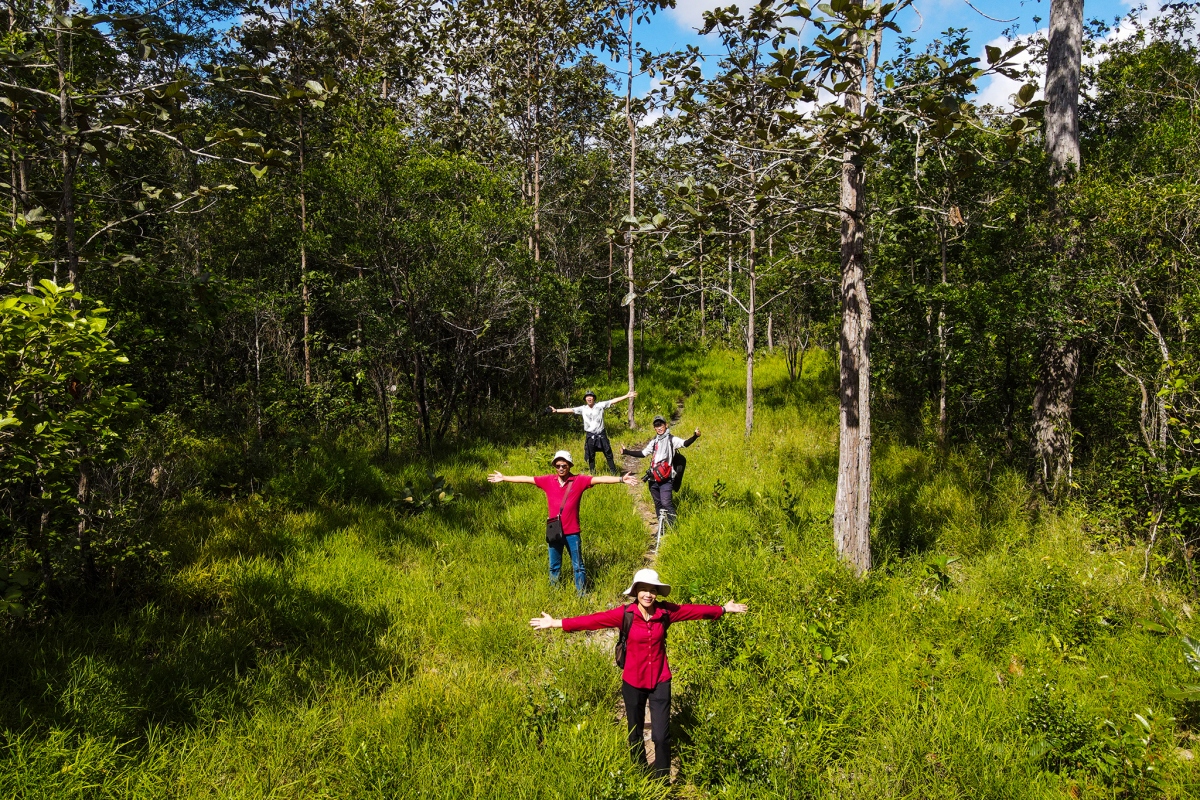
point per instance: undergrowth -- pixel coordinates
(324, 636)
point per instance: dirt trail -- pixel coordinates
(645, 509)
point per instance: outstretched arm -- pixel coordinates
(625, 396)
(545, 621)
(695, 435)
(569, 410)
(627, 478)
(496, 477)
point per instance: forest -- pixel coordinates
(281, 281)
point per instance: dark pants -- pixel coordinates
(593, 442)
(661, 494)
(659, 699)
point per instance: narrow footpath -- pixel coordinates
(645, 509)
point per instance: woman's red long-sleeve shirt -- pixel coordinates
(646, 650)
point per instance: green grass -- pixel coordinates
(334, 648)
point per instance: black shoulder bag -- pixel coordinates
(554, 529)
(623, 636)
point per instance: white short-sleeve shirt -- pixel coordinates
(593, 417)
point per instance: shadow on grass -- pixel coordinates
(117, 674)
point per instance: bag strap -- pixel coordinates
(670, 440)
(566, 493)
(627, 621)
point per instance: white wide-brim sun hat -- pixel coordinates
(565, 455)
(648, 577)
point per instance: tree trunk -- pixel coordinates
(70, 153)
(770, 332)
(750, 332)
(423, 422)
(941, 345)
(1052, 414)
(852, 510)
(703, 332)
(304, 299)
(83, 536)
(1062, 85)
(632, 197)
(1059, 369)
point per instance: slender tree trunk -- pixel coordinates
(770, 332)
(423, 420)
(728, 280)
(304, 297)
(83, 536)
(941, 346)
(852, 509)
(70, 152)
(1061, 351)
(257, 375)
(750, 335)
(703, 313)
(632, 212)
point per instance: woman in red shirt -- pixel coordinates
(646, 676)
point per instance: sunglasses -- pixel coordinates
(562, 466)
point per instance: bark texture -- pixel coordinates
(1062, 83)
(852, 509)
(1062, 349)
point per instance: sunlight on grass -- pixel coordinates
(344, 649)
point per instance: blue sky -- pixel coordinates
(672, 29)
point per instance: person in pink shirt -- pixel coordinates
(646, 676)
(563, 492)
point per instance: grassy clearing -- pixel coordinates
(337, 649)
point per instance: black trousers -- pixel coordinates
(663, 501)
(593, 442)
(659, 699)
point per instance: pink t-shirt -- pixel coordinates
(576, 485)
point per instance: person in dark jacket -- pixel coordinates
(646, 678)
(664, 447)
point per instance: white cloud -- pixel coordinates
(689, 14)
(999, 90)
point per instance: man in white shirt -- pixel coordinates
(595, 437)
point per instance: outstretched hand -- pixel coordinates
(495, 477)
(735, 608)
(544, 621)
(629, 480)
(633, 394)
(697, 431)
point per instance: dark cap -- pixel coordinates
(659, 420)
(589, 393)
